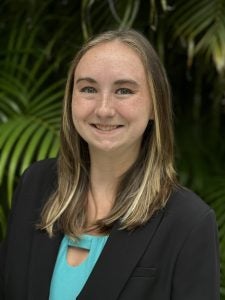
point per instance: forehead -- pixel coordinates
(114, 56)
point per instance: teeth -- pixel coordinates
(106, 127)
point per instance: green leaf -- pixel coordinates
(17, 152)
(9, 141)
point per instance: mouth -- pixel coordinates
(105, 127)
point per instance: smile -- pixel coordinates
(105, 127)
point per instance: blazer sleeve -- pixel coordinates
(4, 243)
(33, 189)
(196, 274)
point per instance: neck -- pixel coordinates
(108, 167)
(105, 173)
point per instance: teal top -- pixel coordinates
(67, 281)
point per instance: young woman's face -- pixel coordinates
(111, 104)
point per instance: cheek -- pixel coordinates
(139, 112)
(77, 117)
(80, 109)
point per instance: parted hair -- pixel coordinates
(145, 187)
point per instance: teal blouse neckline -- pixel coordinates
(67, 281)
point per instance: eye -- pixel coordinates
(124, 91)
(88, 89)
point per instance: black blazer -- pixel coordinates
(173, 257)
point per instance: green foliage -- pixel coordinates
(30, 109)
(102, 15)
(202, 25)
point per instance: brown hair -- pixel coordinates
(146, 186)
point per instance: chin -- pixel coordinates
(107, 148)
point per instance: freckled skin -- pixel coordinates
(110, 88)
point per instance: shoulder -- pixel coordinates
(185, 209)
(36, 184)
(184, 200)
(48, 165)
(41, 170)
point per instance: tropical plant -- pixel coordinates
(200, 28)
(29, 108)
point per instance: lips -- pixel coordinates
(106, 127)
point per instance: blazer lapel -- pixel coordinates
(117, 260)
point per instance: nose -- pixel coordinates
(105, 106)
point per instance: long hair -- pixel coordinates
(146, 185)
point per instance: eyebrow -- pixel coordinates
(117, 82)
(126, 81)
(89, 79)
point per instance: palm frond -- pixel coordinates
(202, 22)
(30, 103)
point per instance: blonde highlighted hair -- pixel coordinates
(146, 186)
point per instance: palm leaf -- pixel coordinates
(202, 22)
(30, 104)
(97, 15)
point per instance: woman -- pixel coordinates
(107, 220)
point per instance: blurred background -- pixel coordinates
(38, 39)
